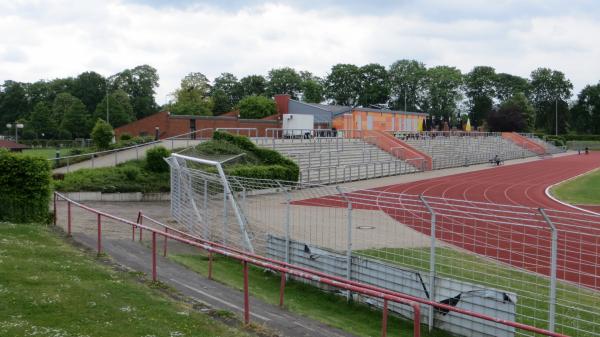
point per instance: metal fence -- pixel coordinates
(549, 259)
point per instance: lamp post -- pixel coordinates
(556, 117)
(107, 121)
(17, 127)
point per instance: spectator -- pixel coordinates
(497, 160)
(587, 150)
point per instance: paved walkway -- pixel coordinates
(113, 158)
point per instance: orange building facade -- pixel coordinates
(380, 120)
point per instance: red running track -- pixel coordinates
(519, 245)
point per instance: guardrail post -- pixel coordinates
(140, 222)
(553, 265)
(384, 318)
(210, 265)
(165, 242)
(349, 239)
(99, 239)
(432, 253)
(282, 289)
(246, 297)
(68, 219)
(154, 256)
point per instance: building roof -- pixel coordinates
(9, 144)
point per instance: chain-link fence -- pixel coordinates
(540, 266)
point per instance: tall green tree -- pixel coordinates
(120, 111)
(140, 84)
(374, 85)
(226, 93)
(253, 85)
(41, 121)
(342, 85)
(514, 114)
(444, 90)
(13, 102)
(72, 114)
(550, 90)
(193, 96)
(508, 85)
(312, 87)
(408, 83)
(90, 88)
(284, 81)
(254, 107)
(585, 114)
(480, 89)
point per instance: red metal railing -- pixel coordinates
(278, 266)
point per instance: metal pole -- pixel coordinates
(205, 207)
(224, 216)
(107, 120)
(349, 238)
(154, 256)
(553, 263)
(287, 222)
(384, 319)
(246, 299)
(68, 218)
(431, 261)
(556, 116)
(99, 239)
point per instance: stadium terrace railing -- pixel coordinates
(248, 132)
(547, 258)
(157, 230)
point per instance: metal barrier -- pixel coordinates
(245, 131)
(168, 233)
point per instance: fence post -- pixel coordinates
(432, 253)
(153, 256)
(246, 299)
(349, 238)
(384, 318)
(288, 200)
(553, 263)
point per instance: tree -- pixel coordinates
(120, 111)
(408, 83)
(140, 84)
(514, 114)
(41, 121)
(443, 90)
(284, 81)
(90, 88)
(585, 115)
(342, 85)
(374, 85)
(192, 97)
(102, 134)
(72, 114)
(312, 87)
(13, 102)
(253, 85)
(226, 93)
(480, 89)
(550, 90)
(508, 85)
(254, 107)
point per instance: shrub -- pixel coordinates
(155, 161)
(254, 107)
(102, 134)
(25, 188)
(125, 136)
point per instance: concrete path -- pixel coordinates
(116, 157)
(213, 294)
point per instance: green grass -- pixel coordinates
(48, 153)
(303, 299)
(584, 190)
(576, 307)
(50, 288)
(130, 176)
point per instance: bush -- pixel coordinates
(125, 136)
(155, 159)
(102, 134)
(25, 188)
(254, 107)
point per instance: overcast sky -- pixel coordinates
(45, 39)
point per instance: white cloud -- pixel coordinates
(56, 38)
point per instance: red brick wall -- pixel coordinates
(146, 125)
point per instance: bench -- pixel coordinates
(493, 162)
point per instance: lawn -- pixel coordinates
(584, 190)
(50, 288)
(303, 299)
(577, 309)
(48, 153)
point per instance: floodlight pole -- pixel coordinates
(556, 117)
(107, 121)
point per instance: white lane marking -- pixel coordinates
(304, 326)
(220, 300)
(549, 195)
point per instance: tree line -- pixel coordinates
(68, 107)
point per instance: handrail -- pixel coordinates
(298, 271)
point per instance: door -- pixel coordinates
(369, 122)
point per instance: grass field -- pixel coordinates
(584, 190)
(48, 153)
(50, 288)
(303, 299)
(575, 308)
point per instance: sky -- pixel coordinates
(46, 39)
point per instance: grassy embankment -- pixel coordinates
(584, 190)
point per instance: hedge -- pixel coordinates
(273, 164)
(155, 161)
(25, 188)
